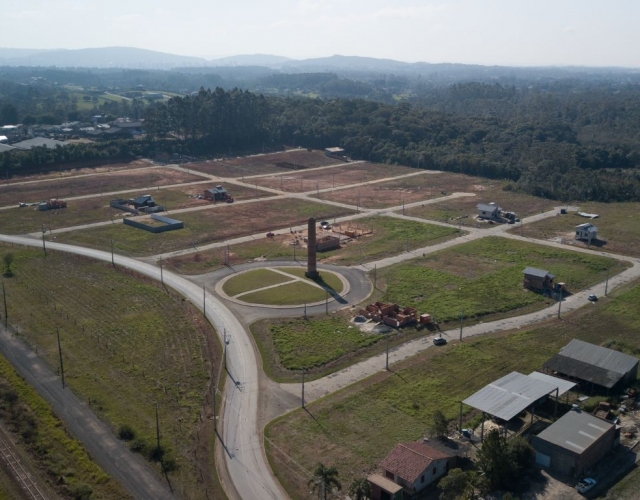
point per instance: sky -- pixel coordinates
(488, 32)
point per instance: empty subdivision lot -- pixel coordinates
(389, 237)
(97, 209)
(204, 226)
(484, 277)
(463, 211)
(80, 170)
(391, 193)
(342, 175)
(264, 164)
(93, 184)
(618, 228)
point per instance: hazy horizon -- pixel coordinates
(494, 32)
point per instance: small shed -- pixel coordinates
(416, 465)
(143, 201)
(574, 443)
(217, 193)
(327, 243)
(383, 488)
(337, 153)
(537, 279)
(488, 211)
(586, 231)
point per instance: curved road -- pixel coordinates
(245, 460)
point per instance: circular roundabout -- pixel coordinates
(282, 286)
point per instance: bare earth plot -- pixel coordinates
(618, 228)
(206, 226)
(349, 173)
(95, 184)
(264, 164)
(56, 174)
(463, 210)
(390, 193)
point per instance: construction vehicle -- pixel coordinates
(52, 204)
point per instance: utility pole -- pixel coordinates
(461, 322)
(4, 298)
(60, 354)
(386, 365)
(215, 413)
(204, 301)
(606, 284)
(157, 430)
(224, 349)
(375, 276)
(326, 303)
(402, 206)
(303, 386)
(305, 310)
(44, 248)
(113, 263)
(559, 304)
(161, 274)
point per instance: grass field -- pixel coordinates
(294, 293)
(205, 226)
(250, 280)
(12, 194)
(463, 210)
(618, 228)
(484, 277)
(311, 343)
(127, 344)
(355, 428)
(62, 460)
(389, 237)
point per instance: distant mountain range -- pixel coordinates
(129, 57)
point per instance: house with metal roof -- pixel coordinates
(38, 142)
(537, 279)
(574, 443)
(595, 364)
(488, 211)
(416, 465)
(586, 231)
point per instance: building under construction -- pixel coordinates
(390, 314)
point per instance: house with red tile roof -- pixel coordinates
(414, 466)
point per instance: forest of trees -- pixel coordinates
(559, 140)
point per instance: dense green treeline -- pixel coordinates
(553, 142)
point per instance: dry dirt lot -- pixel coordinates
(342, 175)
(80, 170)
(93, 184)
(463, 210)
(264, 164)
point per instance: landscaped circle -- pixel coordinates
(282, 286)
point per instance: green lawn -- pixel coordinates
(250, 280)
(390, 237)
(484, 277)
(618, 228)
(289, 294)
(327, 278)
(203, 227)
(356, 427)
(128, 344)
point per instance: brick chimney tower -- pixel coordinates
(312, 271)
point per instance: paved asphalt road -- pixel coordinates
(245, 461)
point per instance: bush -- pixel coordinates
(139, 445)
(126, 432)
(81, 491)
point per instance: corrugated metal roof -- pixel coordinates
(576, 431)
(487, 208)
(592, 363)
(386, 484)
(510, 395)
(563, 386)
(533, 271)
(599, 356)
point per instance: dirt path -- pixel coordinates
(109, 452)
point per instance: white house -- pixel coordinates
(586, 231)
(488, 211)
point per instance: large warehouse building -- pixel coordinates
(574, 443)
(591, 363)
